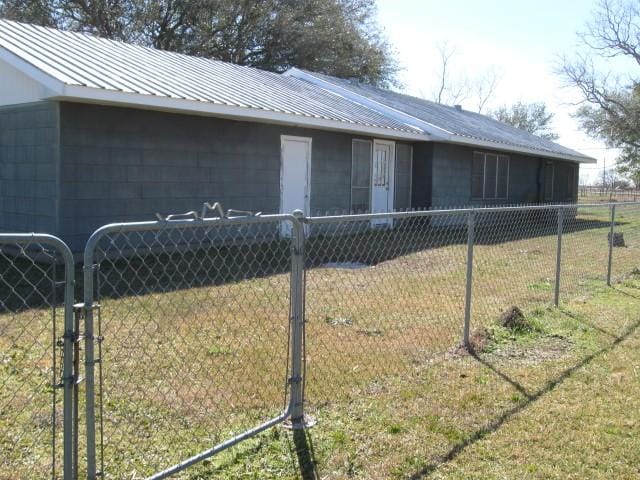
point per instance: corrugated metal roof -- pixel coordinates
(83, 60)
(450, 120)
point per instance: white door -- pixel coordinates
(295, 177)
(382, 179)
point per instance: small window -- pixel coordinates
(404, 161)
(361, 175)
(549, 174)
(489, 176)
(477, 176)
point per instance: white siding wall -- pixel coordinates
(16, 87)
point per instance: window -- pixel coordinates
(404, 160)
(360, 175)
(489, 176)
(549, 174)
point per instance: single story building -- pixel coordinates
(94, 131)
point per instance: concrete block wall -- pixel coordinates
(451, 175)
(121, 164)
(451, 178)
(29, 154)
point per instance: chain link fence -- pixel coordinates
(199, 333)
(36, 377)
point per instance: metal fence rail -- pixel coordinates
(200, 333)
(36, 357)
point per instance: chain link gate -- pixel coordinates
(190, 327)
(37, 340)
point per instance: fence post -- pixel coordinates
(89, 364)
(297, 323)
(70, 375)
(468, 291)
(556, 297)
(611, 231)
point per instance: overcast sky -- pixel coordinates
(521, 40)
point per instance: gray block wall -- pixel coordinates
(121, 164)
(451, 178)
(29, 140)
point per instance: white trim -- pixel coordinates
(437, 133)
(307, 200)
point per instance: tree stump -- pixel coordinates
(618, 239)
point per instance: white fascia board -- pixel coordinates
(51, 85)
(179, 105)
(438, 134)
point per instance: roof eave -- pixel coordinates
(82, 94)
(456, 139)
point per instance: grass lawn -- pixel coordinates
(184, 369)
(562, 401)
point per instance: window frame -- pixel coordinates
(369, 187)
(496, 188)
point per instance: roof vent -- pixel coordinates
(458, 107)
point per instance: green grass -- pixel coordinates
(186, 369)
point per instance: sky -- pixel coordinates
(521, 40)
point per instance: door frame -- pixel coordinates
(391, 173)
(308, 141)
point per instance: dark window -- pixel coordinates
(404, 156)
(489, 176)
(361, 175)
(477, 176)
(549, 173)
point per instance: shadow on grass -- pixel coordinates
(497, 423)
(303, 445)
(589, 324)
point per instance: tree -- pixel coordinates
(37, 12)
(336, 37)
(530, 117)
(455, 88)
(610, 105)
(448, 91)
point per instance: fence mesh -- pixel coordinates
(192, 328)
(194, 323)
(514, 262)
(626, 242)
(381, 294)
(585, 249)
(31, 325)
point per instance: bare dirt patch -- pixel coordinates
(545, 348)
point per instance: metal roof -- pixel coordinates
(447, 122)
(79, 60)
